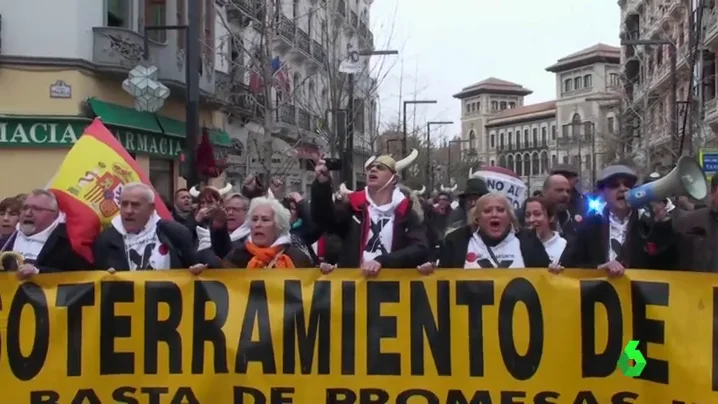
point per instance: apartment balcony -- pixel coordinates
(710, 23)
(658, 80)
(304, 120)
(301, 50)
(285, 34)
(666, 16)
(243, 11)
(116, 51)
(711, 114)
(319, 54)
(313, 63)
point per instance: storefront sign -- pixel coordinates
(57, 133)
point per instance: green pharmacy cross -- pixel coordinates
(631, 353)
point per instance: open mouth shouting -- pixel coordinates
(494, 225)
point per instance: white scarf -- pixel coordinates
(381, 227)
(507, 253)
(30, 246)
(617, 230)
(554, 247)
(240, 232)
(144, 249)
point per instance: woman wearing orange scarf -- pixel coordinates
(269, 244)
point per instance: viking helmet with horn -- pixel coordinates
(393, 165)
(419, 192)
(270, 194)
(222, 192)
(450, 189)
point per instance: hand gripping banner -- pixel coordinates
(234, 336)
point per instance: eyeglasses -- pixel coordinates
(35, 209)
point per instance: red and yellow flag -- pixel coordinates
(88, 185)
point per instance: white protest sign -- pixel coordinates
(512, 187)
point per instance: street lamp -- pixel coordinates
(675, 145)
(404, 148)
(430, 177)
(351, 68)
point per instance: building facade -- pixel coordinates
(308, 110)
(67, 67)
(649, 129)
(576, 128)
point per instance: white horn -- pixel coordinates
(471, 171)
(227, 188)
(270, 194)
(406, 161)
(453, 189)
(421, 191)
(193, 191)
(368, 162)
(344, 190)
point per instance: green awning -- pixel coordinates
(113, 114)
(173, 127)
(220, 138)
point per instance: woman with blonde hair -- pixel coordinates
(493, 239)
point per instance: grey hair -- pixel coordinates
(48, 194)
(147, 190)
(237, 195)
(281, 214)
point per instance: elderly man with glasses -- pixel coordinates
(40, 244)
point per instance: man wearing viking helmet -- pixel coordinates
(377, 225)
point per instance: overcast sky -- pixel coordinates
(449, 44)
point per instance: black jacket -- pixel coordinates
(57, 255)
(240, 257)
(349, 220)
(647, 246)
(109, 247)
(456, 244)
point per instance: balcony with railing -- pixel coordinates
(285, 35)
(239, 9)
(710, 24)
(304, 120)
(319, 54)
(117, 50)
(302, 49)
(287, 115)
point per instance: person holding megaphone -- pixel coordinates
(619, 237)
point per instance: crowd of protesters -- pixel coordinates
(385, 225)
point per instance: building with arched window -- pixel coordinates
(530, 139)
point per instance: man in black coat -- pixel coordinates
(378, 226)
(140, 240)
(618, 238)
(41, 240)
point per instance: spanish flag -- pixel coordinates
(88, 185)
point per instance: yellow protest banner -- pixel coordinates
(296, 336)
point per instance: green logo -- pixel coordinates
(631, 353)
